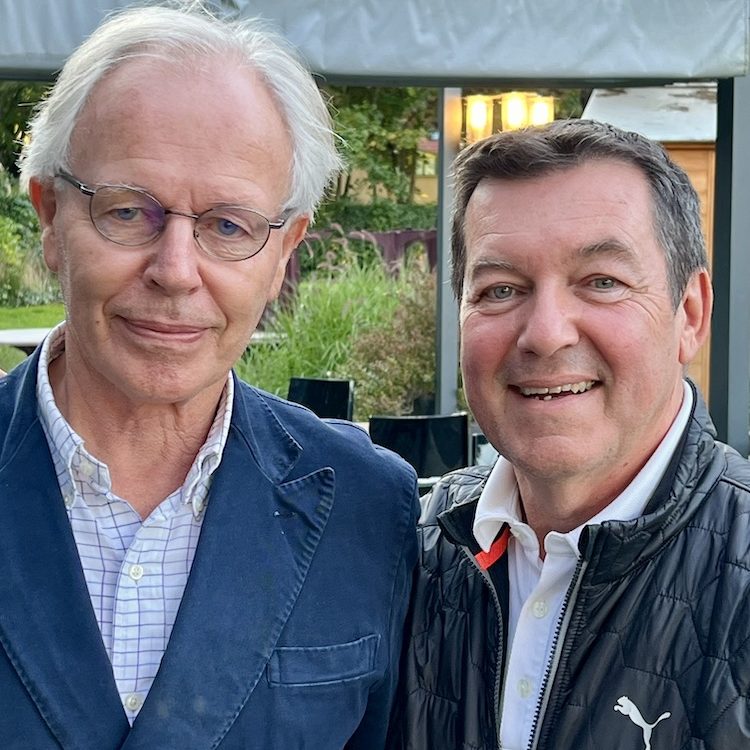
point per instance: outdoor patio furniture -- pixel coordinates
(326, 397)
(433, 444)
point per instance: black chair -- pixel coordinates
(432, 444)
(326, 397)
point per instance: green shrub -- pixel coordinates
(40, 286)
(16, 205)
(330, 248)
(334, 325)
(32, 283)
(393, 364)
(11, 263)
(378, 216)
(316, 327)
(19, 210)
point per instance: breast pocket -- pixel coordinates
(322, 665)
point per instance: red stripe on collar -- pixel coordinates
(497, 550)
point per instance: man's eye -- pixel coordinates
(502, 292)
(127, 213)
(604, 283)
(227, 228)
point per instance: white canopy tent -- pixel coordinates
(502, 43)
(442, 42)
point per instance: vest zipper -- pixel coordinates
(499, 682)
(557, 642)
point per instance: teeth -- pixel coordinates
(547, 393)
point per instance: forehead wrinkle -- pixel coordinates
(610, 247)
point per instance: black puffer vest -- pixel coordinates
(653, 650)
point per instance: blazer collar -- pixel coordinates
(271, 445)
(259, 536)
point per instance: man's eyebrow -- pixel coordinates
(482, 265)
(610, 246)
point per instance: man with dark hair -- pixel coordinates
(190, 563)
(589, 590)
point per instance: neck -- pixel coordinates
(562, 506)
(148, 448)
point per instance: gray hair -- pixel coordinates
(536, 151)
(184, 33)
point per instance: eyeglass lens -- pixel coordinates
(131, 217)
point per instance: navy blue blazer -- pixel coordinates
(288, 635)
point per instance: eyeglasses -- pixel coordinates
(131, 217)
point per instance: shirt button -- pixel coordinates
(133, 702)
(69, 499)
(87, 469)
(198, 505)
(524, 688)
(136, 572)
(540, 609)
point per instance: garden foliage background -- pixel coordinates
(349, 316)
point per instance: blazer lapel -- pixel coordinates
(47, 624)
(258, 539)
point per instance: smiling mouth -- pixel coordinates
(161, 333)
(557, 391)
(159, 327)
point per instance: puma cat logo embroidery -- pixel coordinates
(627, 708)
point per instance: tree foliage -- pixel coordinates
(17, 100)
(381, 129)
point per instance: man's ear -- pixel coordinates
(43, 199)
(696, 304)
(293, 235)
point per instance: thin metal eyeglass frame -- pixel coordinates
(90, 190)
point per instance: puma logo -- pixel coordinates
(627, 708)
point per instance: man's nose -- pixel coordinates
(550, 322)
(174, 264)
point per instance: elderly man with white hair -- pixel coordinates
(189, 562)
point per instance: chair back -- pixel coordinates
(326, 397)
(433, 444)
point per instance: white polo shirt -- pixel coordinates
(538, 587)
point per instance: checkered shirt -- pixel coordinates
(136, 570)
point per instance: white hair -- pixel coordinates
(182, 34)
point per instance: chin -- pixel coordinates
(163, 385)
(552, 457)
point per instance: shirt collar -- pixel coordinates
(60, 435)
(500, 502)
(82, 466)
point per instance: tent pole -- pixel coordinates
(446, 366)
(730, 343)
